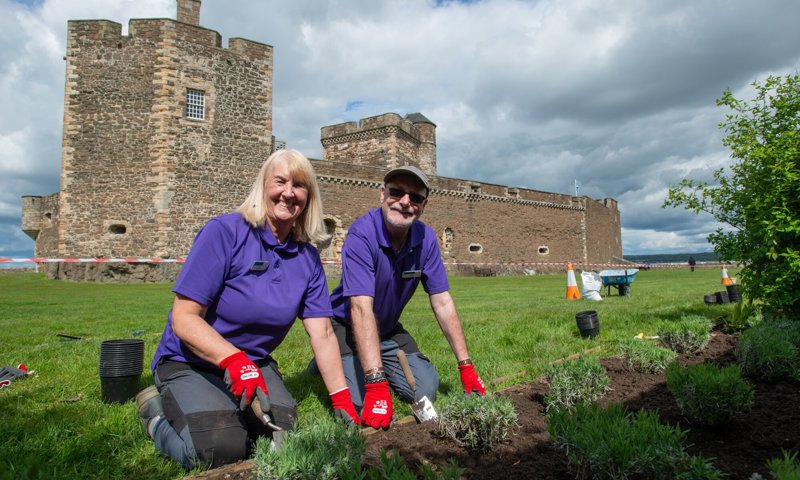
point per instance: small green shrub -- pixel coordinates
(612, 444)
(477, 422)
(786, 468)
(708, 395)
(770, 351)
(645, 357)
(743, 315)
(320, 450)
(330, 450)
(582, 380)
(393, 468)
(690, 334)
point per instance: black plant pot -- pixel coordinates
(722, 297)
(710, 299)
(734, 294)
(588, 323)
(120, 369)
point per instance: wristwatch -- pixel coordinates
(376, 377)
(466, 361)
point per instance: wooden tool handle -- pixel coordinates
(401, 357)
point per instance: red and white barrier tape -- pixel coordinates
(91, 260)
(339, 262)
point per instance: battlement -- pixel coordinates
(383, 141)
(412, 123)
(159, 31)
(164, 129)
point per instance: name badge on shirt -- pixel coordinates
(259, 266)
(412, 273)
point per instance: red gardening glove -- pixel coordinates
(470, 379)
(343, 407)
(377, 411)
(243, 377)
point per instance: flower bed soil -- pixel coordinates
(739, 449)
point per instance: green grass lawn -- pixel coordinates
(54, 424)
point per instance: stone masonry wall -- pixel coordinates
(479, 222)
(384, 141)
(138, 178)
(40, 221)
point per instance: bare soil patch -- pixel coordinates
(739, 449)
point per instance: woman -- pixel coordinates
(248, 276)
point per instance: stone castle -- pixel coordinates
(164, 129)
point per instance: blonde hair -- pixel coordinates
(309, 226)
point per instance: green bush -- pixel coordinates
(330, 450)
(708, 395)
(690, 334)
(582, 380)
(321, 450)
(744, 315)
(770, 350)
(786, 468)
(612, 444)
(393, 468)
(758, 195)
(477, 422)
(645, 357)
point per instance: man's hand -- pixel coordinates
(243, 377)
(377, 412)
(343, 407)
(470, 379)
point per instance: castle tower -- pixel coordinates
(384, 141)
(163, 129)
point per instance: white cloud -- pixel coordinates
(618, 95)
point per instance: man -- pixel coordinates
(386, 254)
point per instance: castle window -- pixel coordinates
(117, 229)
(447, 239)
(475, 248)
(195, 104)
(544, 250)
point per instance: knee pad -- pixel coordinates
(218, 440)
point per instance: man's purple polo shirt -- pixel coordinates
(253, 309)
(370, 267)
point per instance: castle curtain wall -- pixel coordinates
(139, 178)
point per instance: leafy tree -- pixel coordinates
(759, 197)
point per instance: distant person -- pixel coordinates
(692, 263)
(248, 276)
(386, 254)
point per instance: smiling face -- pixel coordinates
(399, 210)
(285, 198)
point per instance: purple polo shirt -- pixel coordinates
(253, 309)
(370, 267)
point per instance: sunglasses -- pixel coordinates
(397, 193)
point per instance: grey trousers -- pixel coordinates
(202, 423)
(424, 373)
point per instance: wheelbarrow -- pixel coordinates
(619, 279)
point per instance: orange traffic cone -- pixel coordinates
(725, 279)
(572, 285)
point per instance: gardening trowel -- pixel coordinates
(422, 408)
(278, 433)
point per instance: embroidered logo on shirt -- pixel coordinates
(412, 273)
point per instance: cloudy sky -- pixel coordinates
(618, 95)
